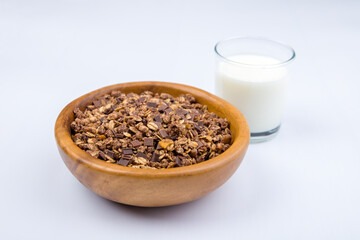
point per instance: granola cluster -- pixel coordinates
(150, 130)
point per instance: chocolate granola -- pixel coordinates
(150, 130)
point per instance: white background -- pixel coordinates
(302, 185)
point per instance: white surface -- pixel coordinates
(257, 92)
(302, 185)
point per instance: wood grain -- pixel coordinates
(153, 187)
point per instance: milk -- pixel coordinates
(256, 88)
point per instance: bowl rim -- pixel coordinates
(66, 144)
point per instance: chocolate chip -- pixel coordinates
(163, 133)
(158, 147)
(102, 155)
(158, 124)
(162, 107)
(141, 99)
(110, 153)
(142, 155)
(193, 111)
(200, 144)
(158, 119)
(178, 161)
(97, 103)
(119, 135)
(123, 162)
(197, 127)
(136, 143)
(155, 157)
(180, 111)
(151, 104)
(128, 157)
(168, 110)
(149, 142)
(85, 138)
(127, 151)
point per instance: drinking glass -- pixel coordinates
(252, 74)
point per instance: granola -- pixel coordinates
(150, 130)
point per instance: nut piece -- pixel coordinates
(137, 118)
(111, 124)
(101, 137)
(133, 129)
(167, 144)
(140, 161)
(127, 134)
(193, 144)
(226, 139)
(153, 126)
(143, 128)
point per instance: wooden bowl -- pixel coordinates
(153, 187)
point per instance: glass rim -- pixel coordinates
(282, 63)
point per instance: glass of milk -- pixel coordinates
(252, 74)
